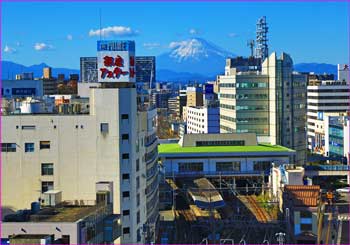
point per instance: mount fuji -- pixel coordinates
(193, 56)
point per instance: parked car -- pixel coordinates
(344, 190)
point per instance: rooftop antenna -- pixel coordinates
(100, 25)
(251, 44)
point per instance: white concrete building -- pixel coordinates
(203, 120)
(327, 97)
(113, 144)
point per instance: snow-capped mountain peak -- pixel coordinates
(197, 49)
(194, 55)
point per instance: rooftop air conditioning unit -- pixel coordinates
(51, 198)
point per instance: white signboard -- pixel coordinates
(116, 66)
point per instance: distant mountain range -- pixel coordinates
(10, 69)
(190, 60)
(317, 68)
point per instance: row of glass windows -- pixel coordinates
(222, 166)
(251, 108)
(231, 107)
(28, 147)
(252, 120)
(329, 97)
(221, 142)
(245, 120)
(251, 85)
(328, 90)
(257, 131)
(245, 96)
(227, 96)
(227, 85)
(227, 129)
(329, 104)
(231, 119)
(228, 166)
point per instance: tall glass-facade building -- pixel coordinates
(146, 71)
(270, 103)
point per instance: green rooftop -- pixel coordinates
(176, 148)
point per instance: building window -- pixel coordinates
(228, 166)
(8, 147)
(137, 182)
(28, 127)
(125, 137)
(104, 127)
(126, 212)
(305, 214)
(261, 165)
(190, 166)
(138, 199)
(138, 217)
(125, 116)
(137, 165)
(47, 169)
(126, 176)
(44, 145)
(126, 230)
(126, 194)
(306, 227)
(139, 234)
(29, 147)
(46, 186)
(125, 156)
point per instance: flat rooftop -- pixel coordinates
(61, 213)
(176, 148)
(64, 214)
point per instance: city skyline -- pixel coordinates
(299, 29)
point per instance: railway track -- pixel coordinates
(259, 213)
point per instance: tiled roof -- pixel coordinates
(303, 195)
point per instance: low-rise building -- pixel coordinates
(197, 155)
(301, 207)
(203, 120)
(64, 223)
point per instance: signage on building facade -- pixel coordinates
(116, 61)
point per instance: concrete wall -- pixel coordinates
(81, 155)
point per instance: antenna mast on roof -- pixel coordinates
(251, 44)
(100, 25)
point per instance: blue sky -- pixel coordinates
(58, 33)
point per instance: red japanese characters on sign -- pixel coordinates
(110, 62)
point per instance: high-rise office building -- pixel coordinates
(324, 97)
(270, 103)
(146, 71)
(47, 73)
(88, 69)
